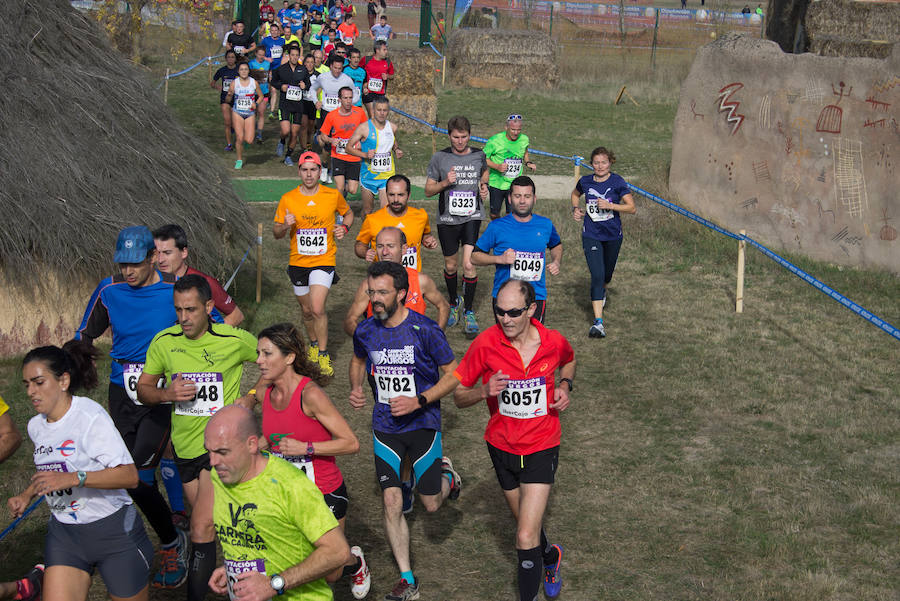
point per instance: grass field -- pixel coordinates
(706, 454)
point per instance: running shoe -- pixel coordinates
(325, 365)
(181, 521)
(238, 164)
(279, 150)
(229, 148)
(471, 325)
(323, 176)
(312, 353)
(29, 587)
(172, 564)
(259, 137)
(597, 330)
(406, 489)
(403, 591)
(330, 179)
(288, 161)
(456, 486)
(454, 312)
(552, 577)
(361, 580)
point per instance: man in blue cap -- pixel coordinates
(134, 305)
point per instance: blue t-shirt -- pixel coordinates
(316, 8)
(405, 362)
(358, 75)
(530, 240)
(282, 14)
(599, 224)
(296, 16)
(271, 43)
(263, 65)
(135, 316)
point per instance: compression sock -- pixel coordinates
(408, 576)
(451, 281)
(352, 569)
(156, 510)
(530, 572)
(172, 482)
(550, 553)
(203, 563)
(469, 285)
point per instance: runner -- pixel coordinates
(302, 426)
(412, 220)
(370, 13)
(516, 243)
(375, 141)
(265, 10)
(409, 352)
(308, 123)
(506, 153)
(171, 256)
(136, 304)
(523, 433)
(239, 40)
(348, 31)
(390, 245)
(83, 467)
(379, 69)
(382, 32)
(242, 96)
(201, 363)
(279, 539)
(356, 73)
(227, 74)
(606, 196)
(274, 45)
(259, 71)
(316, 26)
(335, 132)
(307, 213)
(459, 174)
(292, 79)
(329, 85)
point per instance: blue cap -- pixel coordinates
(133, 244)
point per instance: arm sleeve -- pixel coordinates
(306, 510)
(156, 361)
(281, 211)
(433, 171)
(566, 353)
(103, 443)
(342, 207)
(358, 349)
(470, 367)
(555, 240)
(222, 300)
(96, 316)
(326, 124)
(276, 80)
(365, 234)
(248, 348)
(485, 243)
(578, 187)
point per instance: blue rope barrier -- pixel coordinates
(19, 519)
(238, 268)
(430, 45)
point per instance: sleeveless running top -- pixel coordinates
(381, 166)
(244, 95)
(414, 299)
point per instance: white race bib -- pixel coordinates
(277, 51)
(528, 267)
(234, 567)
(131, 373)
(226, 85)
(301, 462)
(239, 49)
(462, 204)
(294, 93)
(381, 38)
(596, 213)
(393, 381)
(410, 258)
(340, 145)
(346, 40)
(244, 103)
(60, 500)
(210, 395)
(375, 85)
(513, 168)
(523, 399)
(382, 162)
(330, 102)
(312, 241)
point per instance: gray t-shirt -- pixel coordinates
(461, 202)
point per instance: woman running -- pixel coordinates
(300, 424)
(606, 195)
(244, 91)
(260, 70)
(227, 74)
(83, 469)
(308, 121)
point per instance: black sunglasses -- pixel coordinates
(511, 312)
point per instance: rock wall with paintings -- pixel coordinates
(799, 150)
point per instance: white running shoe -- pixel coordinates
(361, 581)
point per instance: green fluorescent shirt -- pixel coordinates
(270, 523)
(498, 149)
(215, 361)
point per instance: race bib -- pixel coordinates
(59, 500)
(528, 267)
(330, 102)
(244, 103)
(340, 145)
(382, 162)
(235, 567)
(312, 241)
(226, 85)
(410, 258)
(301, 462)
(596, 213)
(294, 93)
(375, 85)
(239, 49)
(277, 51)
(513, 168)
(346, 40)
(462, 204)
(381, 38)
(392, 381)
(131, 373)
(210, 395)
(523, 399)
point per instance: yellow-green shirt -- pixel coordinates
(3, 406)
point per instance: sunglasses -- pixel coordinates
(515, 118)
(511, 312)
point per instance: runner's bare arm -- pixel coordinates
(433, 187)
(235, 317)
(178, 391)
(555, 259)
(10, 438)
(357, 308)
(561, 394)
(433, 296)
(479, 257)
(466, 397)
(402, 405)
(317, 405)
(360, 133)
(357, 374)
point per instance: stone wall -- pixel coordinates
(799, 150)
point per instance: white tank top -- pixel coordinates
(243, 96)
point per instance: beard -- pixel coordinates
(385, 312)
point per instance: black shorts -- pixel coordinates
(145, 429)
(300, 275)
(539, 313)
(189, 469)
(309, 109)
(499, 199)
(424, 450)
(338, 501)
(116, 545)
(347, 169)
(293, 116)
(452, 236)
(369, 97)
(513, 470)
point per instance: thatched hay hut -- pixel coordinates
(412, 89)
(525, 59)
(88, 147)
(847, 28)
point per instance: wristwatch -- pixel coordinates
(277, 583)
(82, 476)
(567, 381)
(422, 400)
(310, 451)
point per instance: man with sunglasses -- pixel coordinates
(516, 245)
(507, 153)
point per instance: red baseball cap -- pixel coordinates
(309, 156)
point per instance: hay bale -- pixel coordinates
(413, 72)
(422, 106)
(846, 28)
(836, 46)
(527, 59)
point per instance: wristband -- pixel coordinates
(346, 228)
(567, 381)
(251, 392)
(310, 451)
(422, 400)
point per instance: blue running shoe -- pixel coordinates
(455, 311)
(288, 161)
(552, 577)
(471, 325)
(279, 150)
